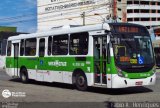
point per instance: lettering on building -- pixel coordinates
(68, 5)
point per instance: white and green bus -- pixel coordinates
(111, 55)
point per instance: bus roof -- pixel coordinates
(61, 31)
(127, 24)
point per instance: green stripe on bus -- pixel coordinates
(68, 64)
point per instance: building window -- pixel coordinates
(144, 2)
(79, 44)
(136, 19)
(136, 2)
(130, 11)
(153, 19)
(119, 0)
(136, 11)
(130, 19)
(158, 19)
(158, 11)
(145, 19)
(129, 2)
(153, 11)
(145, 11)
(153, 3)
(119, 9)
(60, 45)
(30, 47)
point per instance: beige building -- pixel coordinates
(56, 13)
(144, 12)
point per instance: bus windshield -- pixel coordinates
(132, 50)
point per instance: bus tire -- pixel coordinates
(24, 76)
(81, 81)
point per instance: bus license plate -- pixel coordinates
(139, 83)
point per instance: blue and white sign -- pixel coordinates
(140, 60)
(41, 62)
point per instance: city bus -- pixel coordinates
(108, 55)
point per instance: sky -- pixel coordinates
(19, 13)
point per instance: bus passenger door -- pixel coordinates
(100, 49)
(16, 55)
(41, 65)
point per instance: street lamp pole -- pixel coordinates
(83, 16)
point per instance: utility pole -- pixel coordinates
(83, 16)
(109, 17)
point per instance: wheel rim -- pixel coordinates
(23, 77)
(81, 80)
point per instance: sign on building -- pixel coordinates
(54, 13)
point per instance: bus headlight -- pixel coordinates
(120, 72)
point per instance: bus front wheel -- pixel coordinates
(24, 75)
(81, 82)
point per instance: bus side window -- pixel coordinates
(30, 47)
(79, 44)
(42, 47)
(9, 48)
(22, 48)
(49, 45)
(60, 45)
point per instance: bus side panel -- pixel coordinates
(30, 63)
(32, 74)
(60, 69)
(10, 66)
(67, 77)
(111, 68)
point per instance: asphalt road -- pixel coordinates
(57, 92)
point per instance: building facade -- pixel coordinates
(144, 12)
(56, 13)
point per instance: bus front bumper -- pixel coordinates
(120, 82)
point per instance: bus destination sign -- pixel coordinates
(127, 29)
